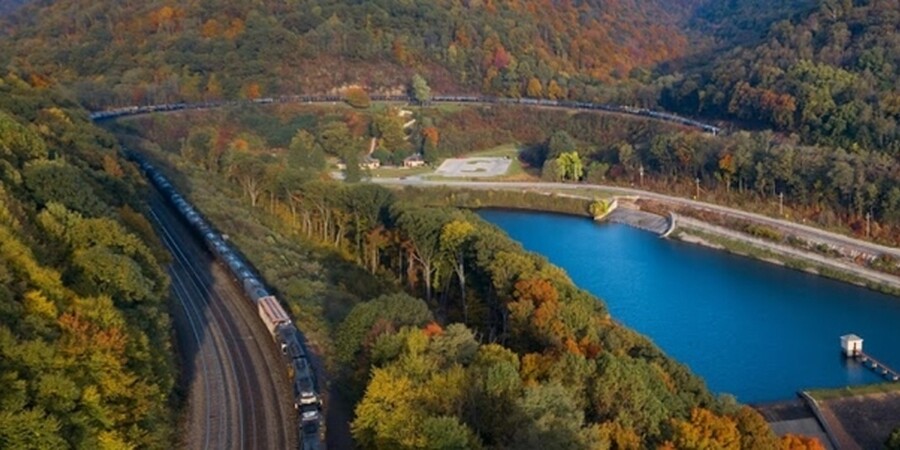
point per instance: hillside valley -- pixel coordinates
(427, 326)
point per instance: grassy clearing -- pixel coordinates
(397, 172)
(448, 108)
(511, 150)
(853, 391)
(582, 192)
(501, 198)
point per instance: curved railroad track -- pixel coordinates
(238, 396)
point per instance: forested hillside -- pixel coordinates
(476, 343)
(744, 22)
(9, 6)
(85, 356)
(126, 52)
(831, 76)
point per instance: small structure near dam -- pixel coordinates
(851, 345)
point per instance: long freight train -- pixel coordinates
(284, 333)
(566, 104)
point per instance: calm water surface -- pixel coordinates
(752, 329)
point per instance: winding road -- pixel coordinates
(237, 392)
(811, 233)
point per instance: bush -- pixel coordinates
(358, 98)
(893, 441)
(765, 232)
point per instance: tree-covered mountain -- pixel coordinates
(9, 6)
(85, 356)
(829, 75)
(823, 69)
(128, 52)
(744, 22)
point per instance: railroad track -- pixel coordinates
(238, 396)
(135, 110)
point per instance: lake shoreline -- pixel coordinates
(673, 294)
(747, 246)
(736, 243)
(548, 198)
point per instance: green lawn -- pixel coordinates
(511, 150)
(448, 108)
(396, 172)
(583, 192)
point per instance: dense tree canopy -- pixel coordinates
(134, 52)
(828, 74)
(85, 357)
(502, 350)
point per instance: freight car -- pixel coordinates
(269, 310)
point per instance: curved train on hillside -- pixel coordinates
(269, 309)
(566, 104)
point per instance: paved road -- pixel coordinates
(786, 250)
(811, 233)
(238, 395)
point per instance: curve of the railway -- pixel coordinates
(236, 389)
(468, 99)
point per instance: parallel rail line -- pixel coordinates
(471, 99)
(194, 278)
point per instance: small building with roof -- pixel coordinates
(414, 161)
(370, 163)
(851, 344)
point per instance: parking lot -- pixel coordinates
(473, 167)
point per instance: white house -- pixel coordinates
(851, 344)
(414, 161)
(370, 163)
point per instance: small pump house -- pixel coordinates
(851, 344)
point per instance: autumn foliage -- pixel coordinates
(357, 97)
(197, 50)
(85, 355)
